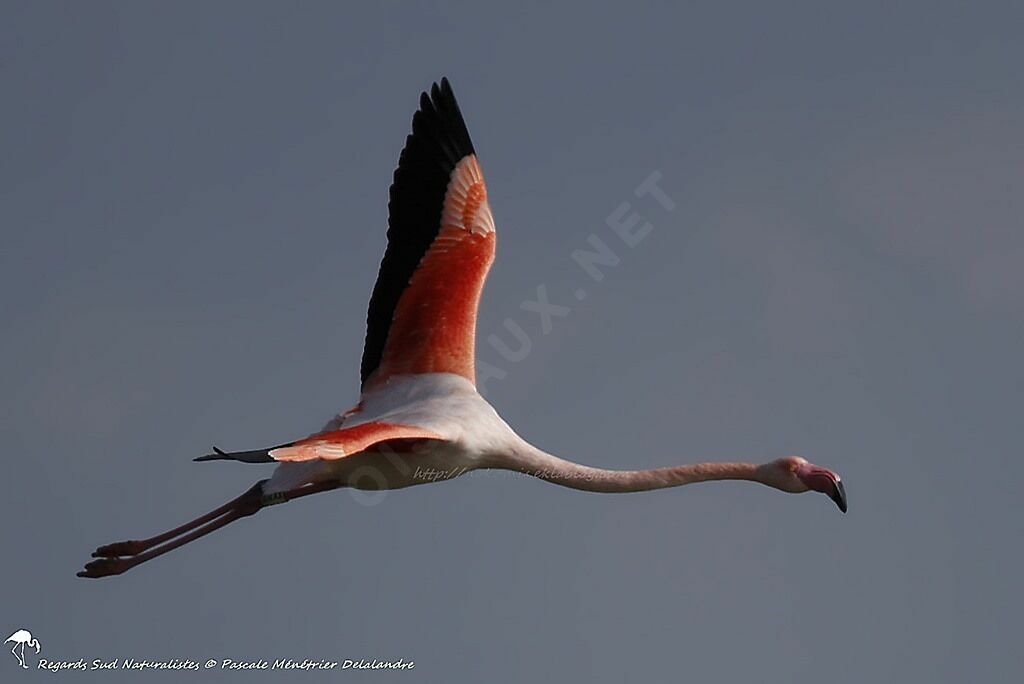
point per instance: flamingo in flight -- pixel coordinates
(419, 410)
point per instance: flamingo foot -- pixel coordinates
(105, 567)
(124, 548)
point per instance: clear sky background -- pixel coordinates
(193, 208)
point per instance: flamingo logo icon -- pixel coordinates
(21, 638)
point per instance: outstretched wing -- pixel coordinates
(330, 446)
(441, 240)
(333, 445)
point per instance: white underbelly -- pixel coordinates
(379, 469)
(445, 404)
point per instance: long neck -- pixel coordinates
(530, 460)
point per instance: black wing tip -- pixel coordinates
(440, 103)
(440, 90)
(255, 456)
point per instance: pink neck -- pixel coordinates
(534, 462)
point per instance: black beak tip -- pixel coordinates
(839, 495)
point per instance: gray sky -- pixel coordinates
(193, 205)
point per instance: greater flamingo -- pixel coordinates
(419, 410)
(22, 638)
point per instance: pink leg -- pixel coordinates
(104, 567)
(112, 560)
(135, 547)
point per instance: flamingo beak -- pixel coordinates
(838, 494)
(825, 481)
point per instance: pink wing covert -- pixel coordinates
(331, 446)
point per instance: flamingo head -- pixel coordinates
(796, 475)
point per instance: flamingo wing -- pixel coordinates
(337, 444)
(441, 241)
(333, 444)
